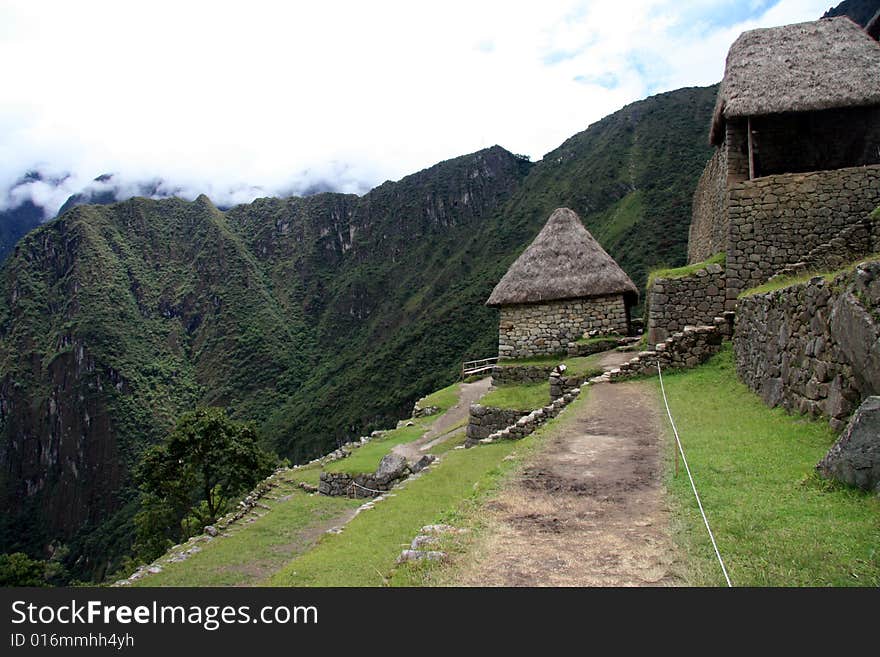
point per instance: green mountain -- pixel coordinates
(319, 318)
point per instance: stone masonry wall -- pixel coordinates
(486, 420)
(546, 328)
(684, 349)
(777, 220)
(693, 300)
(517, 374)
(813, 347)
(736, 150)
(708, 231)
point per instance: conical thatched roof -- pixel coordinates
(804, 67)
(563, 262)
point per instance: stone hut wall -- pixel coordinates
(544, 329)
(736, 149)
(778, 220)
(813, 347)
(693, 300)
(708, 231)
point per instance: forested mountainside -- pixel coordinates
(319, 318)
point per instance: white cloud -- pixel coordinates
(218, 96)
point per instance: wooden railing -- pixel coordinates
(472, 367)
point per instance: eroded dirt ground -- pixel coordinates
(588, 510)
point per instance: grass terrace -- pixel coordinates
(687, 270)
(788, 281)
(366, 458)
(777, 523)
(576, 366)
(523, 397)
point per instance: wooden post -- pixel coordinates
(751, 149)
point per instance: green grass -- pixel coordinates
(687, 270)
(254, 550)
(443, 399)
(621, 217)
(775, 521)
(366, 458)
(539, 361)
(524, 397)
(364, 553)
(599, 338)
(584, 365)
(577, 365)
(788, 281)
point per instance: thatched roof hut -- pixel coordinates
(824, 64)
(563, 262)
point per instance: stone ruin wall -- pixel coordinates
(813, 347)
(486, 420)
(693, 300)
(544, 329)
(779, 220)
(707, 234)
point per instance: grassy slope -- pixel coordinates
(252, 551)
(776, 522)
(295, 520)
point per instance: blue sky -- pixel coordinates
(249, 99)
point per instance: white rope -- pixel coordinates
(372, 490)
(693, 485)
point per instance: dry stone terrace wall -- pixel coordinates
(683, 349)
(708, 231)
(486, 420)
(813, 347)
(518, 374)
(543, 329)
(778, 220)
(693, 300)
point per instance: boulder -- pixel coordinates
(392, 466)
(855, 458)
(423, 463)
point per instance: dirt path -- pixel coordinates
(444, 426)
(588, 510)
(612, 359)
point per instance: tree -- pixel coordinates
(18, 569)
(192, 477)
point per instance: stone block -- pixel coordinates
(855, 457)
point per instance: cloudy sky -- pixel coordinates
(245, 99)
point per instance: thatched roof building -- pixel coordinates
(806, 67)
(798, 98)
(563, 262)
(812, 66)
(562, 286)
